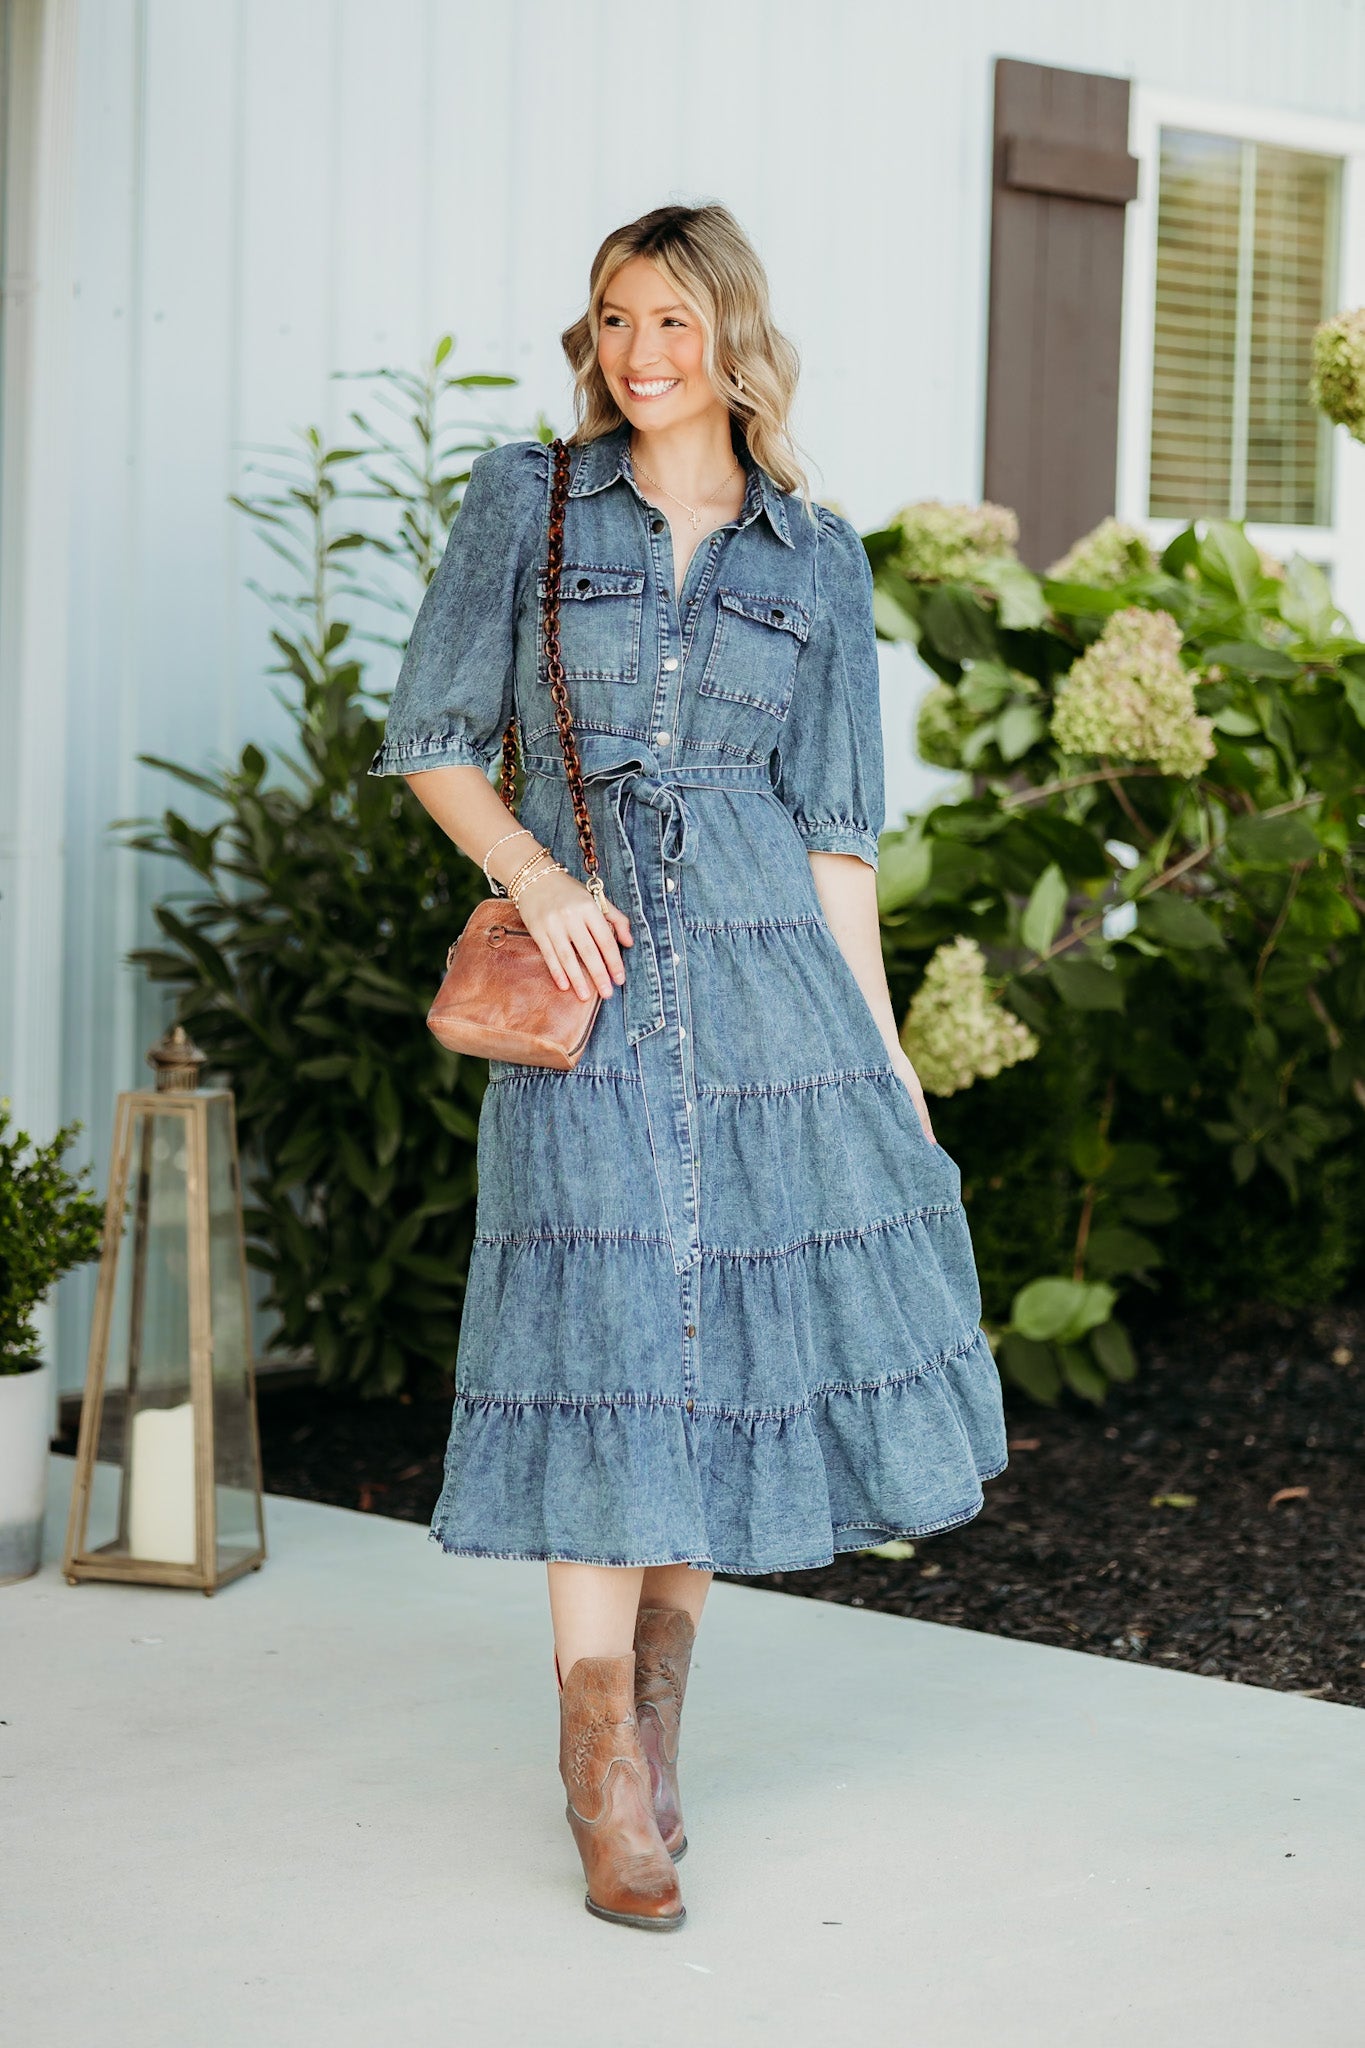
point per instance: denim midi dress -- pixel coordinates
(722, 1305)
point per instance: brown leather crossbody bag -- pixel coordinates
(499, 999)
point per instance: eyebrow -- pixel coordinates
(610, 305)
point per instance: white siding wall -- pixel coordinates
(271, 190)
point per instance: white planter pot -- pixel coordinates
(24, 1433)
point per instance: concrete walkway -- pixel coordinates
(322, 1809)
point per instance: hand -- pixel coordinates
(900, 1060)
(579, 942)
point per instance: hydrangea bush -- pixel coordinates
(1126, 947)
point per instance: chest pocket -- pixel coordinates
(599, 623)
(754, 654)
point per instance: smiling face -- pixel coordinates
(650, 350)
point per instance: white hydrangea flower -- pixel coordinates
(1337, 383)
(956, 1030)
(946, 542)
(940, 727)
(1130, 695)
(1110, 553)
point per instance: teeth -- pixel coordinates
(654, 389)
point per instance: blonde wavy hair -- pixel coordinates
(714, 268)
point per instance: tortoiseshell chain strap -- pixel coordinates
(554, 671)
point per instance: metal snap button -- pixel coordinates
(657, 525)
(691, 1329)
(670, 662)
(778, 616)
(585, 583)
(663, 738)
(689, 1404)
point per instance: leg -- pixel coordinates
(676, 1585)
(592, 1609)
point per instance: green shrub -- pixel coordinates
(49, 1223)
(312, 935)
(1153, 862)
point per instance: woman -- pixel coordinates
(722, 1311)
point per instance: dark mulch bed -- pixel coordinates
(1257, 1421)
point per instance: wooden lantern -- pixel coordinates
(168, 1465)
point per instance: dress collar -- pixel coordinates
(601, 461)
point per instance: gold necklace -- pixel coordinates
(693, 514)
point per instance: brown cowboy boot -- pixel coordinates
(630, 1877)
(663, 1652)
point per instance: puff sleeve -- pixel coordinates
(455, 689)
(830, 772)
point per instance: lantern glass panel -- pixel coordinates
(236, 1471)
(143, 1500)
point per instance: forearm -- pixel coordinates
(468, 809)
(847, 889)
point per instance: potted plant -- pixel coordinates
(48, 1224)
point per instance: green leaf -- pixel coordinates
(1019, 592)
(1115, 1249)
(958, 624)
(453, 1118)
(1238, 724)
(1251, 659)
(1032, 1366)
(1085, 985)
(1113, 1350)
(1081, 1374)
(1227, 557)
(1060, 1311)
(1273, 842)
(1019, 727)
(1043, 912)
(892, 620)
(1175, 921)
(904, 864)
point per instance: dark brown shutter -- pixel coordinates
(1062, 179)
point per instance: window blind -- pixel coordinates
(1246, 268)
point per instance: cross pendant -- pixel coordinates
(695, 517)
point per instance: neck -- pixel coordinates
(692, 457)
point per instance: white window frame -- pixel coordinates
(1341, 543)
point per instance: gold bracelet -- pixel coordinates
(554, 867)
(540, 854)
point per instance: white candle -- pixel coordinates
(161, 1485)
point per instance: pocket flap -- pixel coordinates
(784, 613)
(582, 581)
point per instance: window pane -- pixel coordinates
(1246, 242)
(1198, 208)
(1288, 442)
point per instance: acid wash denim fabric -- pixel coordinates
(722, 1304)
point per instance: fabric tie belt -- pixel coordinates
(631, 775)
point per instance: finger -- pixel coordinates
(601, 929)
(568, 961)
(620, 922)
(551, 958)
(585, 939)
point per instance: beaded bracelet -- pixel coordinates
(541, 853)
(491, 880)
(550, 867)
